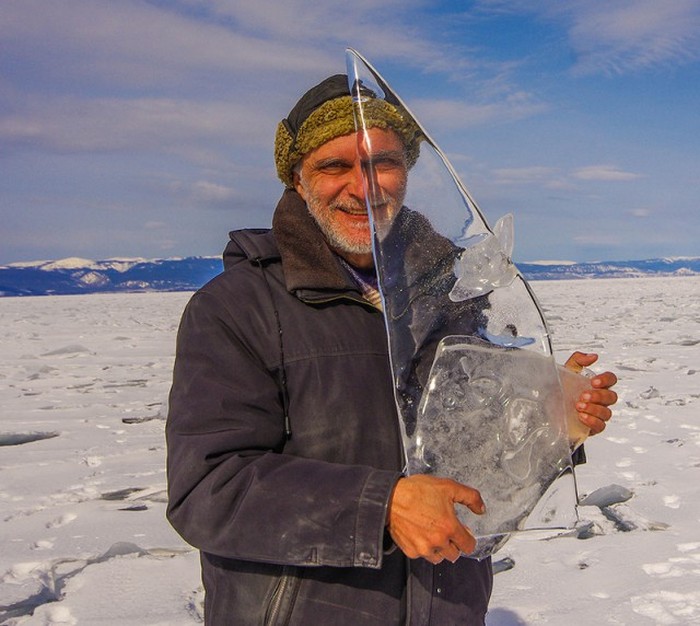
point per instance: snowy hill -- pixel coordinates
(76, 275)
(560, 270)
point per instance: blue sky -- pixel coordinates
(145, 128)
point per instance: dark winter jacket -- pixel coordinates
(284, 446)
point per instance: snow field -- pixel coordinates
(83, 389)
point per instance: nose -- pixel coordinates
(355, 185)
(363, 181)
(362, 172)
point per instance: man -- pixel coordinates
(284, 450)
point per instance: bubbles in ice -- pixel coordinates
(488, 420)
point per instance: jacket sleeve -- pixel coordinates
(233, 492)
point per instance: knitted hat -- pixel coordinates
(326, 112)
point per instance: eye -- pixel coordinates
(333, 167)
(388, 163)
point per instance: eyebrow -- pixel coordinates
(332, 160)
(395, 155)
(388, 154)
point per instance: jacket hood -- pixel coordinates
(249, 244)
(307, 261)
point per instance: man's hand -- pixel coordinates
(422, 519)
(594, 406)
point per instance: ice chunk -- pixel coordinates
(493, 418)
(485, 264)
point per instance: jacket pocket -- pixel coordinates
(284, 593)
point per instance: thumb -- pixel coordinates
(469, 497)
(578, 360)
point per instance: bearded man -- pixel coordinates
(284, 449)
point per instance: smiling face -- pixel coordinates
(330, 180)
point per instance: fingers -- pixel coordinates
(451, 538)
(422, 520)
(449, 546)
(595, 417)
(468, 496)
(593, 406)
(461, 541)
(435, 557)
(602, 397)
(604, 380)
(449, 553)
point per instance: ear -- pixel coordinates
(298, 185)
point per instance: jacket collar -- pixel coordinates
(309, 264)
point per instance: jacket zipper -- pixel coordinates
(276, 602)
(286, 582)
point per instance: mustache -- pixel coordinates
(348, 206)
(357, 206)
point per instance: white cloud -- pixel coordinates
(70, 124)
(167, 244)
(640, 212)
(559, 184)
(374, 28)
(553, 178)
(191, 72)
(154, 225)
(634, 34)
(598, 239)
(203, 193)
(457, 114)
(196, 69)
(603, 173)
(516, 175)
(206, 191)
(216, 43)
(134, 42)
(620, 36)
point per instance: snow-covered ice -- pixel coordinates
(635, 558)
(83, 388)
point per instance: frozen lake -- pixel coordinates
(83, 387)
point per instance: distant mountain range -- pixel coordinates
(75, 276)
(553, 270)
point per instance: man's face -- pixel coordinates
(330, 181)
